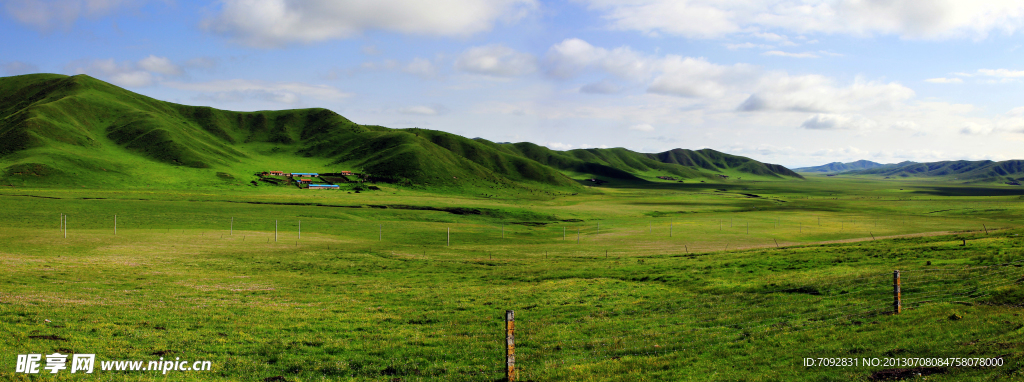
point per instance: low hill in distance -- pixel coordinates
(841, 167)
(984, 171)
(58, 130)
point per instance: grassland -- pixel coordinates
(372, 290)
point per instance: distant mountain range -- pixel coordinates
(984, 171)
(77, 130)
(842, 167)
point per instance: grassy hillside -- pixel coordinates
(77, 130)
(63, 131)
(985, 171)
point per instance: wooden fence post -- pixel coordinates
(449, 237)
(897, 303)
(275, 231)
(510, 345)
(115, 225)
(232, 228)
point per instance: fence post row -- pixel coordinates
(510, 346)
(897, 304)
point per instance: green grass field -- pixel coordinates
(738, 280)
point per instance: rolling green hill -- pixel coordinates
(984, 171)
(58, 130)
(78, 130)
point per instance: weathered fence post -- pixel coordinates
(449, 237)
(275, 231)
(897, 303)
(231, 230)
(115, 225)
(510, 345)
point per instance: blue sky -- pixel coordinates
(792, 82)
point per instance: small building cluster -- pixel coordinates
(307, 178)
(666, 178)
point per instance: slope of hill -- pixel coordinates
(963, 171)
(841, 167)
(79, 131)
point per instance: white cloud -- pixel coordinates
(133, 79)
(272, 23)
(1001, 73)
(50, 14)
(496, 60)
(124, 74)
(671, 75)
(141, 73)
(159, 65)
(844, 152)
(202, 62)
(696, 77)
(771, 37)
(815, 93)
(279, 92)
(838, 122)
(646, 127)
(904, 18)
(694, 19)
(421, 67)
(571, 56)
(748, 45)
(788, 54)
(558, 146)
(370, 50)
(905, 125)
(601, 87)
(14, 68)
(976, 129)
(944, 80)
(420, 110)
